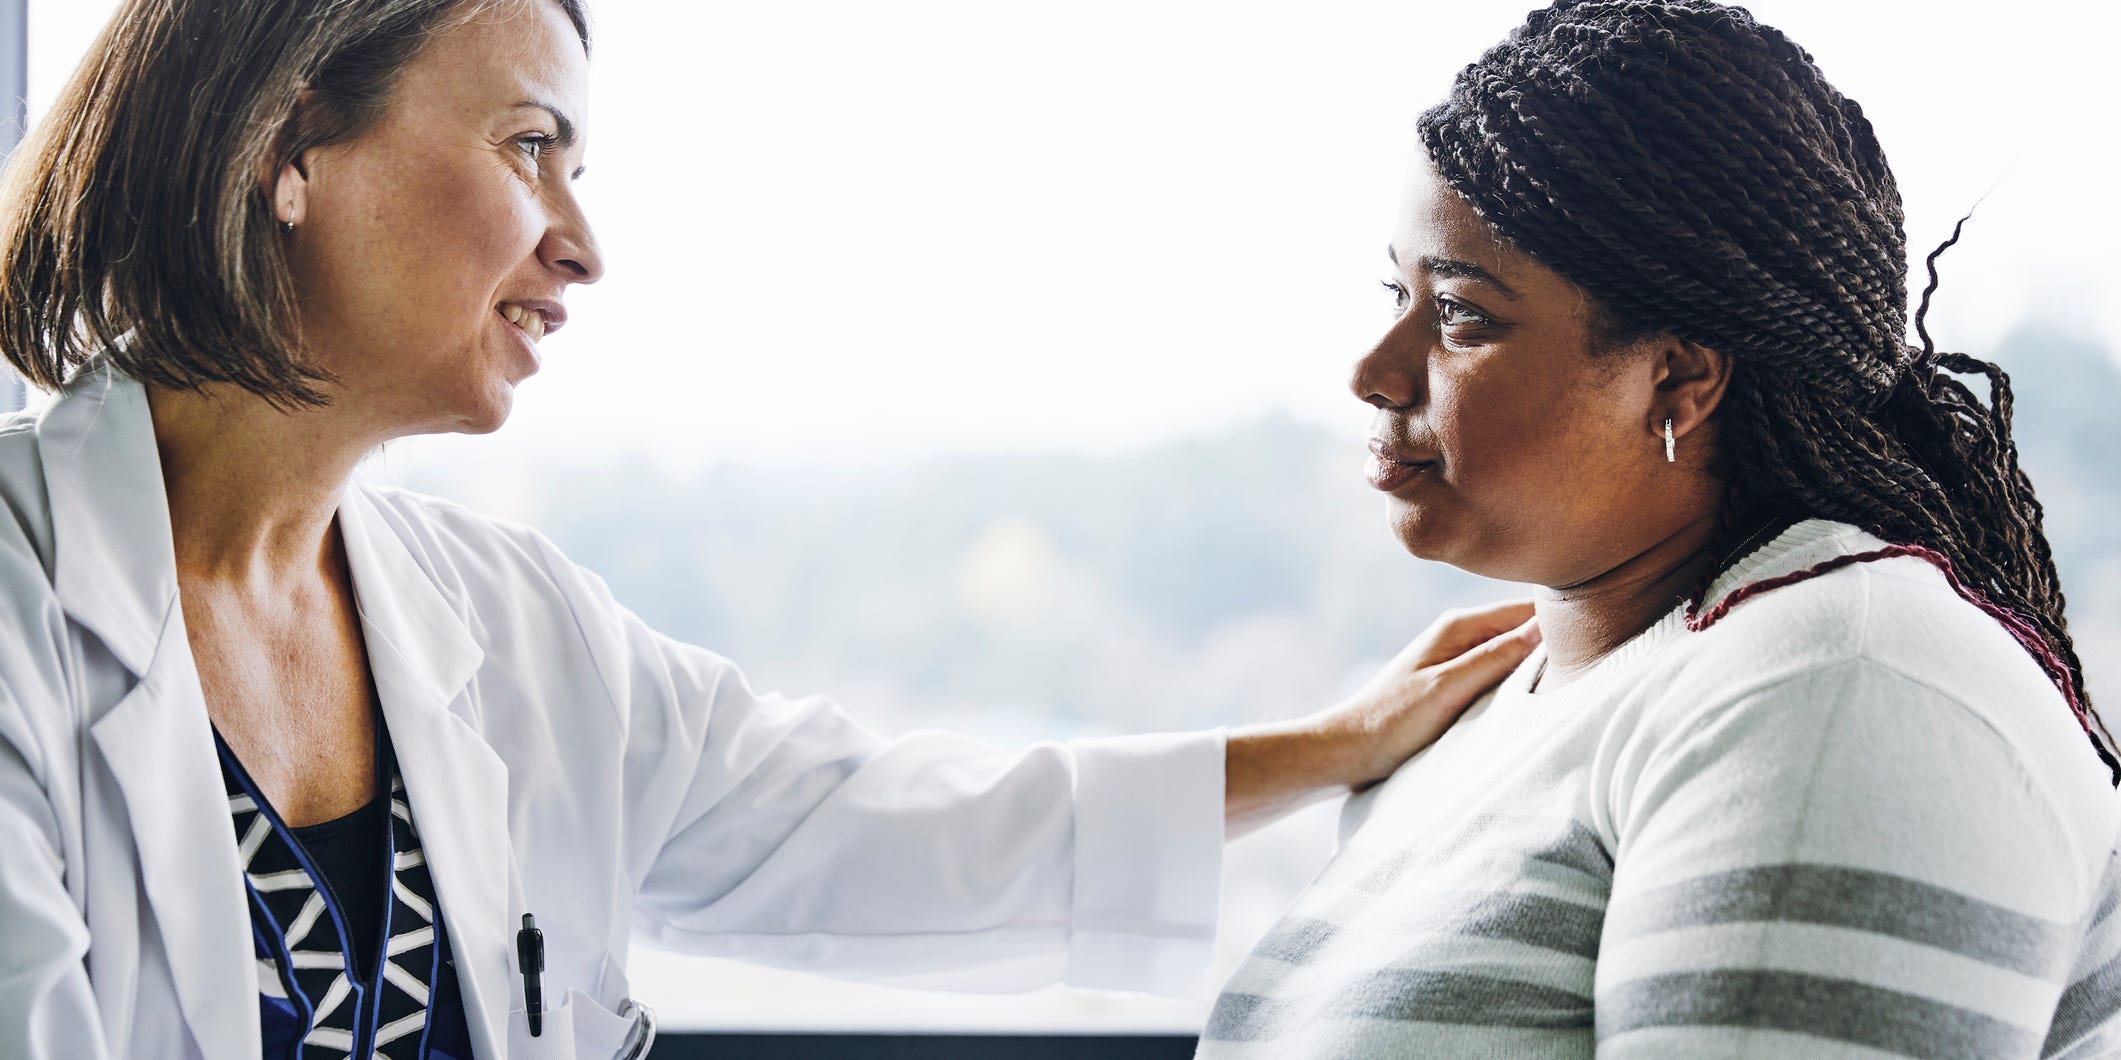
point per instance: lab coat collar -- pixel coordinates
(431, 647)
(115, 571)
(115, 565)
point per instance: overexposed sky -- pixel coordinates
(851, 231)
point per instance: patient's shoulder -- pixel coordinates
(1897, 612)
(1886, 651)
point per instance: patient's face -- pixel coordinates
(1511, 448)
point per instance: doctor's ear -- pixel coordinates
(287, 196)
(286, 185)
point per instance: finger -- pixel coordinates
(1477, 670)
(1461, 630)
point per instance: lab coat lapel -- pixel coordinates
(422, 655)
(115, 573)
(160, 747)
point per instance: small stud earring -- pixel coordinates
(1670, 443)
(287, 226)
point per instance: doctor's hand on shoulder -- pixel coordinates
(1399, 711)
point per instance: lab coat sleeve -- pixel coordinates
(777, 830)
(46, 1006)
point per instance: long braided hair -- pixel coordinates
(1694, 171)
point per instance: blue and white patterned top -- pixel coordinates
(312, 1003)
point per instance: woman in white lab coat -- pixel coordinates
(286, 759)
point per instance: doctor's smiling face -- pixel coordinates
(1514, 439)
(431, 253)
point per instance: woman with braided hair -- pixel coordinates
(1805, 766)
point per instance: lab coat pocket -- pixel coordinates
(576, 1029)
(555, 1037)
(599, 1033)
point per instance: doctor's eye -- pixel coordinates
(536, 144)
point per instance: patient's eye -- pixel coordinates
(1450, 312)
(1400, 298)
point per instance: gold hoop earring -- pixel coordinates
(1671, 444)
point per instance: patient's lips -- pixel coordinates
(1395, 465)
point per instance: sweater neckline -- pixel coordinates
(1802, 544)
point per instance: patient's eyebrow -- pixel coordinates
(1468, 271)
(1464, 270)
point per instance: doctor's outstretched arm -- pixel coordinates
(780, 831)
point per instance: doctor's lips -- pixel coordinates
(1394, 464)
(536, 317)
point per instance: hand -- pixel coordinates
(1271, 769)
(1417, 695)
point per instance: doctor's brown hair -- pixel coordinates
(1694, 171)
(134, 216)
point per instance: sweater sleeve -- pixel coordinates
(1847, 863)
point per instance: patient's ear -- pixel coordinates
(1689, 379)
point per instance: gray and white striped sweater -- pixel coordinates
(1851, 819)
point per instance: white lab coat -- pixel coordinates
(561, 758)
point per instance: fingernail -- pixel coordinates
(1530, 631)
